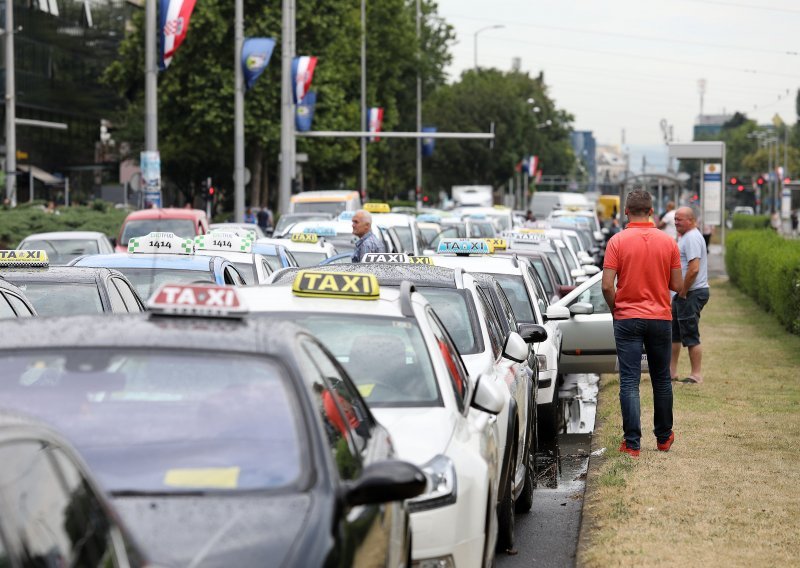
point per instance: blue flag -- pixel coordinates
(428, 143)
(256, 52)
(305, 112)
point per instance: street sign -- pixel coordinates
(151, 178)
(712, 194)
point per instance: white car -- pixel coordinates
(308, 249)
(236, 227)
(409, 372)
(339, 233)
(62, 247)
(528, 301)
(254, 268)
(405, 227)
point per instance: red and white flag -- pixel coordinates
(302, 73)
(174, 18)
(375, 122)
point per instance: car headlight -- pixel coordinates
(541, 362)
(441, 487)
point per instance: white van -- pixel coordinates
(543, 202)
(330, 201)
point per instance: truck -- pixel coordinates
(472, 195)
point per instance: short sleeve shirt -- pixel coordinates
(643, 258)
(367, 243)
(692, 245)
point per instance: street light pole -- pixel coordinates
(238, 105)
(495, 27)
(364, 124)
(150, 78)
(418, 191)
(11, 127)
(287, 110)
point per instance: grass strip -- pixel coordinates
(727, 493)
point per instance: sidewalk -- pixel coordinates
(716, 262)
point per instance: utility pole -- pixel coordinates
(238, 128)
(150, 78)
(287, 110)
(364, 125)
(418, 191)
(11, 110)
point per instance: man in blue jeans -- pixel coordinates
(646, 265)
(691, 298)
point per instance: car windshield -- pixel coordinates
(452, 308)
(334, 207)
(157, 421)
(63, 298)
(514, 287)
(481, 229)
(139, 227)
(385, 357)
(146, 280)
(404, 234)
(556, 261)
(62, 251)
(429, 233)
(248, 272)
(305, 258)
(288, 220)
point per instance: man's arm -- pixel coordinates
(691, 274)
(675, 280)
(609, 287)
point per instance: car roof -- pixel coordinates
(148, 330)
(178, 261)
(166, 213)
(393, 219)
(387, 274)
(73, 274)
(64, 235)
(280, 298)
(479, 263)
(331, 194)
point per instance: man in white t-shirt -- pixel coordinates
(667, 223)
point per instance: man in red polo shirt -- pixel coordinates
(646, 265)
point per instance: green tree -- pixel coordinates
(486, 96)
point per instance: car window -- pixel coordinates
(308, 258)
(542, 298)
(265, 266)
(555, 260)
(233, 415)
(273, 261)
(452, 360)
(232, 277)
(63, 299)
(456, 311)
(493, 326)
(19, 306)
(516, 293)
(117, 304)
(594, 295)
(247, 271)
(5, 308)
(544, 278)
(506, 308)
(147, 280)
(127, 295)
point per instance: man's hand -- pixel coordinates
(691, 275)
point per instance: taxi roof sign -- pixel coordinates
(219, 241)
(346, 215)
(353, 286)
(420, 260)
(377, 208)
(160, 243)
(497, 244)
(239, 231)
(321, 231)
(429, 218)
(23, 259)
(529, 235)
(311, 238)
(391, 257)
(463, 246)
(207, 300)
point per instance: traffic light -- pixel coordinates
(760, 181)
(740, 188)
(734, 181)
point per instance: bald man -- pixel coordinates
(692, 297)
(367, 241)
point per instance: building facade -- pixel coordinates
(585, 148)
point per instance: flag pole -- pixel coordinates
(238, 128)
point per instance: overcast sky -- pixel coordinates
(628, 64)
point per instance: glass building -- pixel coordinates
(61, 49)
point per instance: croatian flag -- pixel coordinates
(375, 121)
(173, 18)
(302, 73)
(532, 165)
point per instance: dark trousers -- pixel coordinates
(656, 338)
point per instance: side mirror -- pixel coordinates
(605, 232)
(555, 313)
(577, 273)
(515, 347)
(488, 396)
(385, 481)
(582, 308)
(532, 333)
(564, 290)
(587, 261)
(591, 269)
(598, 235)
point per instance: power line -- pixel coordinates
(746, 6)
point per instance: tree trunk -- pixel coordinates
(256, 164)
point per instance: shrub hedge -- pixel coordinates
(766, 267)
(18, 223)
(744, 222)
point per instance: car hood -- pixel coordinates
(418, 434)
(216, 531)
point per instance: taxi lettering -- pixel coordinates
(305, 238)
(226, 244)
(21, 255)
(159, 244)
(395, 257)
(420, 260)
(326, 284)
(498, 244)
(201, 295)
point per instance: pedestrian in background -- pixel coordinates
(367, 241)
(667, 222)
(248, 216)
(708, 232)
(263, 219)
(691, 298)
(646, 265)
(793, 218)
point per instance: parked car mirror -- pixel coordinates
(515, 347)
(577, 273)
(587, 261)
(598, 235)
(555, 313)
(532, 333)
(583, 308)
(385, 481)
(591, 270)
(487, 396)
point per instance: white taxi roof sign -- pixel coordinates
(391, 257)
(220, 241)
(160, 243)
(530, 235)
(239, 231)
(377, 208)
(209, 300)
(353, 286)
(312, 238)
(463, 246)
(23, 259)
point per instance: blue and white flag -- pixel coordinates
(173, 23)
(256, 53)
(428, 144)
(305, 112)
(302, 73)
